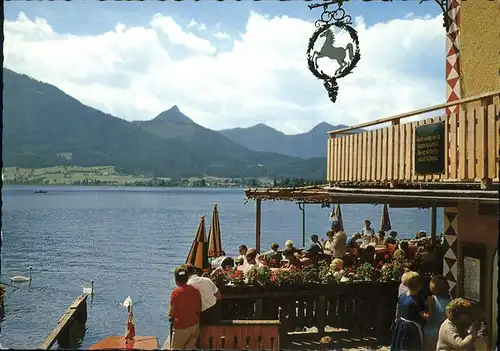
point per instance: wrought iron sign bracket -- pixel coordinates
(346, 57)
(443, 4)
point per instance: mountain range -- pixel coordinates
(43, 126)
(264, 138)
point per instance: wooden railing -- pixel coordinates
(338, 305)
(241, 335)
(386, 155)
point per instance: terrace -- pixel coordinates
(385, 157)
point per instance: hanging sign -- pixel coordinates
(429, 149)
(344, 56)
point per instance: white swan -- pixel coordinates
(21, 278)
(87, 290)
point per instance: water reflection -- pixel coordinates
(2, 310)
(75, 336)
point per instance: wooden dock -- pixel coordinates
(76, 314)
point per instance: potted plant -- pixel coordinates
(365, 272)
(237, 279)
(309, 277)
(264, 276)
(220, 278)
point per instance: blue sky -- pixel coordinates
(66, 16)
(135, 59)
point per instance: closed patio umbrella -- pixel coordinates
(385, 221)
(198, 255)
(214, 236)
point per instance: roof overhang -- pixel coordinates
(407, 198)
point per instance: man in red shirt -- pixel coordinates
(185, 308)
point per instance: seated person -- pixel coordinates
(367, 232)
(238, 262)
(402, 252)
(251, 261)
(289, 245)
(313, 251)
(380, 238)
(291, 255)
(222, 261)
(352, 242)
(315, 248)
(243, 252)
(273, 257)
(367, 255)
(328, 243)
(392, 238)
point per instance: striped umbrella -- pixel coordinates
(338, 223)
(198, 255)
(214, 236)
(385, 221)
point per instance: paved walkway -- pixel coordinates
(339, 339)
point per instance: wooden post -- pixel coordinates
(258, 223)
(259, 308)
(485, 182)
(433, 224)
(302, 207)
(321, 315)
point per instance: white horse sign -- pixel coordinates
(346, 56)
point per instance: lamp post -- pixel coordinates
(302, 207)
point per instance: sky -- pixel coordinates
(227, 64)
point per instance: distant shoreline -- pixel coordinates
(108, 176)
(121, 185)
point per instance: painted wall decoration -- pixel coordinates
(453, 91)
(450, 264)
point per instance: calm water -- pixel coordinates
(128, 241)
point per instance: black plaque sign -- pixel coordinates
(429, 149)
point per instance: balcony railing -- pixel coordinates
(387, 155)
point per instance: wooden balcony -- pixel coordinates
(387, 155)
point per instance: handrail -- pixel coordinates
(417, 112)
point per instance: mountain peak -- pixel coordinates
(173, 114)
(325, 127)
(262, 126)
(174, 108)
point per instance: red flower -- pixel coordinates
(350, 269)
(387, 256)
(380, 263)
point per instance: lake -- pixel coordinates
(128, 240)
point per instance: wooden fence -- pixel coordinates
(357, 306)
(387, 154)
(241, 335)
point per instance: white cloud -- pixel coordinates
(136, 72)
(222, 35)
(199, 26)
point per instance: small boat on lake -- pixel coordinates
(40, 192)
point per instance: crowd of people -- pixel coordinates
(437, 322)
(433, 322)
(422, 323)
(421, 254)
